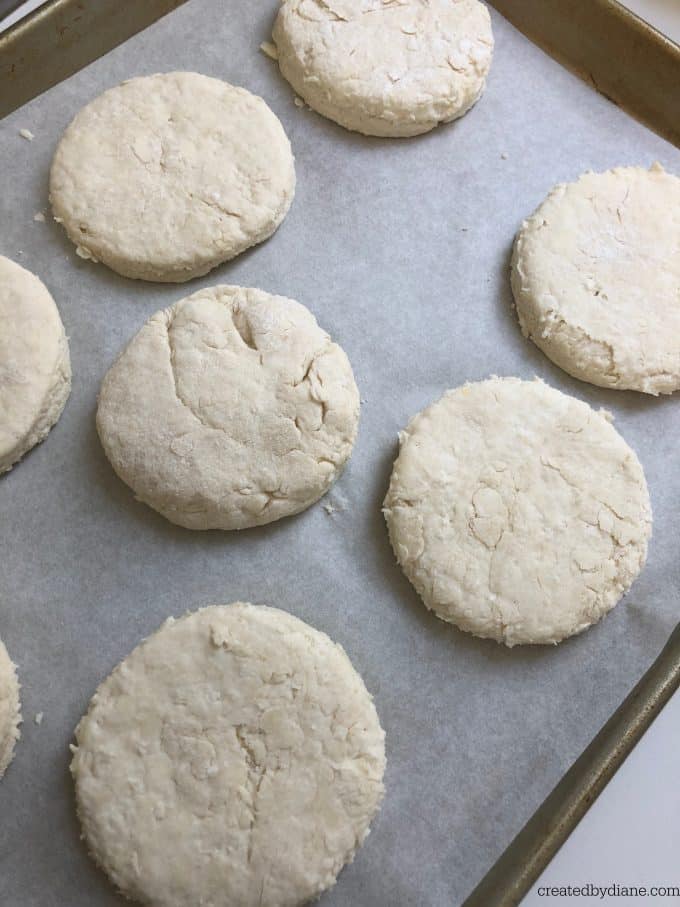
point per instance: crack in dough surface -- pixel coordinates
(596, 278)
(166, 176)
(35, 367)
(385, 67)
(234, 759)
(230, 409)
(517, 512)
(10, 709)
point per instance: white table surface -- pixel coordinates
(631, 836)
(663, 14)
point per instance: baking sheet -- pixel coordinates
(616, 51)
(401, 249)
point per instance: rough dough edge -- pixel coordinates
(53, 403)
(8, 744)
(175, 275)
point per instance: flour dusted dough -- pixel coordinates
(10, 712)
(35, 368)
(517, 512)
(230, 409)
(234, 759)
(385, 67)
(166, 176)
(596, 278)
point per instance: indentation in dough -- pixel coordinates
(242, 325)
(490, 516)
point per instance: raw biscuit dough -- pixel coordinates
(385, 67)
(166, 176)
(517, 512)
(596, 278)
(35, 367)
(230, 409)
(10, 711)
(235, 759)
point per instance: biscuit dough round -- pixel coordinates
(235, 759)
(166, 176)
(517, 512)
(10, 710)
(596, 278)
(230, 409)
(384, 67)
(35, 367)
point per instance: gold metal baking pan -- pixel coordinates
(622, 56)
(519, 867)
(61, 37)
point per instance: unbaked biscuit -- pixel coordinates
(35, 367)
(384, 67)
(235, 759)
(166, 176)
(517, 512)
(596, 278)
(230, 409)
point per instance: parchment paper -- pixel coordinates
(401, 249)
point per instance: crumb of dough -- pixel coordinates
(84, 253)
(269, 49)
(298, 101)
(504, 155)
(39, 718)
(39, 217)
(329, 508)
(26, 134)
